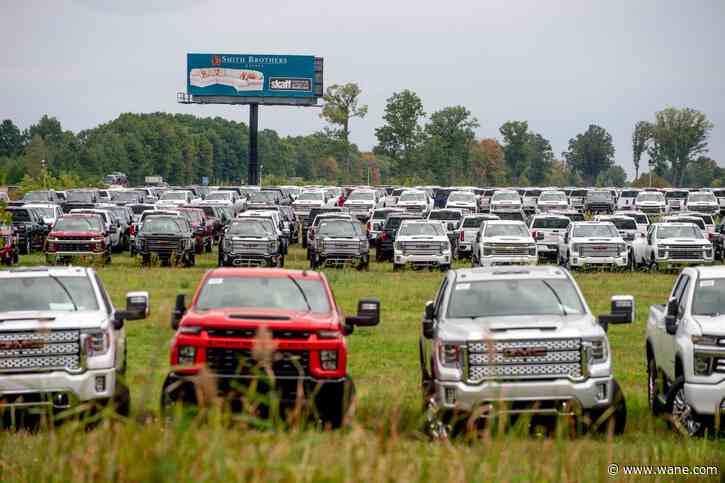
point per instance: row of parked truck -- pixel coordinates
(519, 342)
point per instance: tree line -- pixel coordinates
(413, 147)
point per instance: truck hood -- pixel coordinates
(307, 203)
(84, 234)
(422, 238)
(651, 203)
(53, 320)
(597, 240)
(711, 325)
(520, 327)
(271, 318)
(689, 241)
(508, 239)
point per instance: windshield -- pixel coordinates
(20, 215)
(361, 196)
(336, 229)
(252, 228)
(551, 223)
(79, 196)
(650, 197)
(73, 223)
(624, 223)
(552, 197)
(412, 197)
(311, 196)
(421, 229)
(591, 231)
(46, 294)
(506, 197)
(513, 229)
(462, 197)
(681, 231)
(174, 195)
(702, 197)
(629, 194)
(264, 293)
(125, 196)
(473, 222)
(219, 195)
(695, 221)
(262, 197)
(676, 195)
(157, 224)
(44, 212)
(445, 215)
(600, 195)
(511, 216)
(36, 196)
(709, 298)
(502, 298)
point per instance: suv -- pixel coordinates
(169, 237)
(593, 243)
(29, 227)
(673, 244)
(340, 242)
(9, 253)
(261, 330)
(684, 351)
(422, 243)
(599, 201)
(77, 235)
(547, 230)
(504, 242)
(511, 341)
(467, 233)
(251, 242)
(63, 342)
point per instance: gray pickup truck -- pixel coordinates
(514, 342)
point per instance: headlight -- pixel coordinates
(449, 355)
(487, 250)
(97, 342)
(621, 247)
(328, 360)
(708, 252)
(598, 352)
(704, 340)
(532, 250)
(575, 249)
(398, 246)
(364, 245)
(187, 354)
(702, 365)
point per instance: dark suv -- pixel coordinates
(599, 201)
(386, 240)
(168, 237)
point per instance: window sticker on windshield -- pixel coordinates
(57, 306)
(215, 281)
(707, 283)
(463, 286)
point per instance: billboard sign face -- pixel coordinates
(250, 76)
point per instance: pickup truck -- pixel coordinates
(62, 343)
(265, 331)
(9, 253)
(251, 242)
(339, 243)
(504, 242)
(518, 342)
(593, 243)
(422, 243)
(77, 236)
(670, 245)
(685, 348)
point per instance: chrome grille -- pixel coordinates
(524, 359)
(250, 247)
(74, 245)
(161, 244)
(685, 252)
(598, 250)
(56, 350)
(340, 247)
(421, 248)
(509, 250)
(414, 208)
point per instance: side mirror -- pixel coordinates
(428, 315)
(622, 311)
(137, 308)
(672, 308)
(671, 324)
(179, 311)
(539, 236)
(368, 314)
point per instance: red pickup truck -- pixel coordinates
(271, 331)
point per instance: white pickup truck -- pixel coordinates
(504, 242)
(672, 244)
(593, 243)
(685, 348)
(62, 343)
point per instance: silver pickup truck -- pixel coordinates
(62, 343)
(518, 342)
(685, 349)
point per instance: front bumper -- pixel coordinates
(672, 262)
(330, 258)
(23, 389)
(422, 260)
(247, 260)
(492, 260)
(464, 397)
(577, 261)
(547, 249)
(62, 254)
(705, 398)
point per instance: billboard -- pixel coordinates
(253, 76)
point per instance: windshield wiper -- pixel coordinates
(304, 295)
(65, 289)
(558, 299)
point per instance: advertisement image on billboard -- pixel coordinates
(244, 75)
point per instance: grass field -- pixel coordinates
(385, 442)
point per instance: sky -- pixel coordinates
(560, 65)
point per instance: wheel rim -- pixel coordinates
(683, 414)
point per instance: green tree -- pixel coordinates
(401, 135)
(612, 177)
(450, 135)
(678, 137)
(36, 152)
(641, 137)
(11, 139)
(540, 159)
(342, 104)
(516, 147)
(590, 153)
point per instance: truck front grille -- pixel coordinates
(340, 247)
(252, 333)
(73, 245)
(250, 247)
(685, 252)
(598, 250)
(509, 250)
(31, 351)
(162, 245)
(528, 359)
(418, 248)
(240, 362)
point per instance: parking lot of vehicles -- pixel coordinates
(300, 317)
(518, 341)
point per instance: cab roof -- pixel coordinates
(493, 273)
(710, 272)
(263, 273)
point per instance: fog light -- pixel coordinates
(60, 400)
(702, 365)
(187, 354)
(450, 394)
(100, 383)
(601, 391)
(328, 360)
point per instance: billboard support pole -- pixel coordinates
(253, 171)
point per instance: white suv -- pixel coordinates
(422, 243)
(62, 343)
(593, 243)
(504, 242)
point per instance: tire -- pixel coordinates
(614, 416)
(121, 401)
(445, 268)
(304, 242)
(334, 402)
(280, 262)
(364, 265)
(208, 247)
(653, 384)
(397, 267)
(683, 418)
(190, 260)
